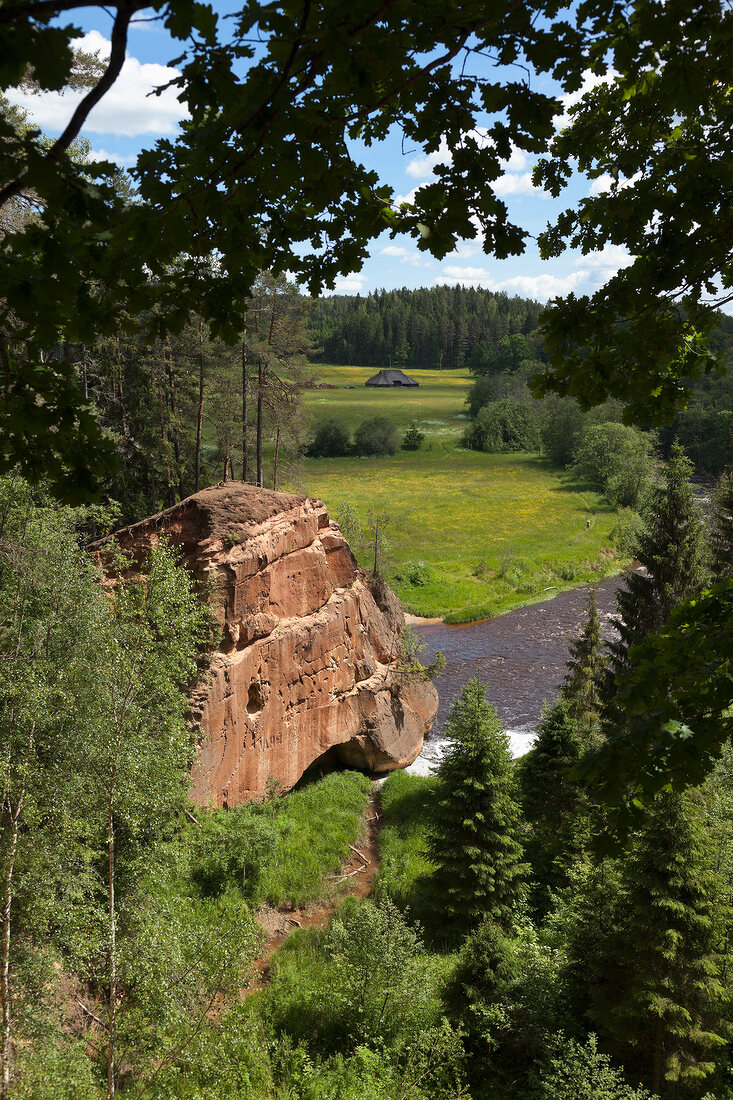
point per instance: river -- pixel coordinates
(521, 656)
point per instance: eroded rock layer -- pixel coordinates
(307, 657)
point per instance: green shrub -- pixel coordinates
(413, 438)
(580, 1072)
(617, 459)
(234, 847)
(376, 436)
(367, 980)
(416, 574)
(332, 439)
(510, 425)
(58, 1070)
(627, 532)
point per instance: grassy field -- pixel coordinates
(438, 405)
(472, 535)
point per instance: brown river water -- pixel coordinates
(521, 657)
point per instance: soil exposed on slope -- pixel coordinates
(355, 879)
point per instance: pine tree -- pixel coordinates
(654, 989)
(671, 551)
(580, 688)
(552, 804)
(721, 529)
(476, 822)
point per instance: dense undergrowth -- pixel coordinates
(282, 850)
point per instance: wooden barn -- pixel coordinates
(391, 378)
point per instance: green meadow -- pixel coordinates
(471, 535)
(437, 405)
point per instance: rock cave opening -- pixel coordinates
(329, 761)
(255, 702)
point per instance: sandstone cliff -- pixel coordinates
(306, 659)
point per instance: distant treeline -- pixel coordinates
(438, 327)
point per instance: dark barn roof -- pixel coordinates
(391, 378)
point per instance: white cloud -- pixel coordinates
(421, 168)
(124, 160)
(603, 184)
(589, 273)
(409, 198)
(467, 274)
(406, 256)
(349, 284)
(590, 81)
(610, 259)
(126, 110)
(521, 184)
(540, 287)
(517, 161)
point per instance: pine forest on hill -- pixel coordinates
(434, 327)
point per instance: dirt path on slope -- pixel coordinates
(355, 880)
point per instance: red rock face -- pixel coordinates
(306, 662)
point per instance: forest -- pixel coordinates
(555, 927)
(438, 327)
(511, 946)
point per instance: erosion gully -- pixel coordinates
(353, 880)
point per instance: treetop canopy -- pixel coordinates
(264, 175)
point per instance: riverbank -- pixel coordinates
(521, 656)
(549, 594)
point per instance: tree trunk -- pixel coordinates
(125, 429)
(277, 451)
(245, 386)
(657, 1065)
(260, 404)
(112, 959)
(200, 414)
(164, 438)
(174, 414)
(5, 961)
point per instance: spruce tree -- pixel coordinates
(580, 688)
(721, 529)
(672, 552)
(552, 804)
(474, 839)
(654, 990)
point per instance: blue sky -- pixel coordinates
(129, 119)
